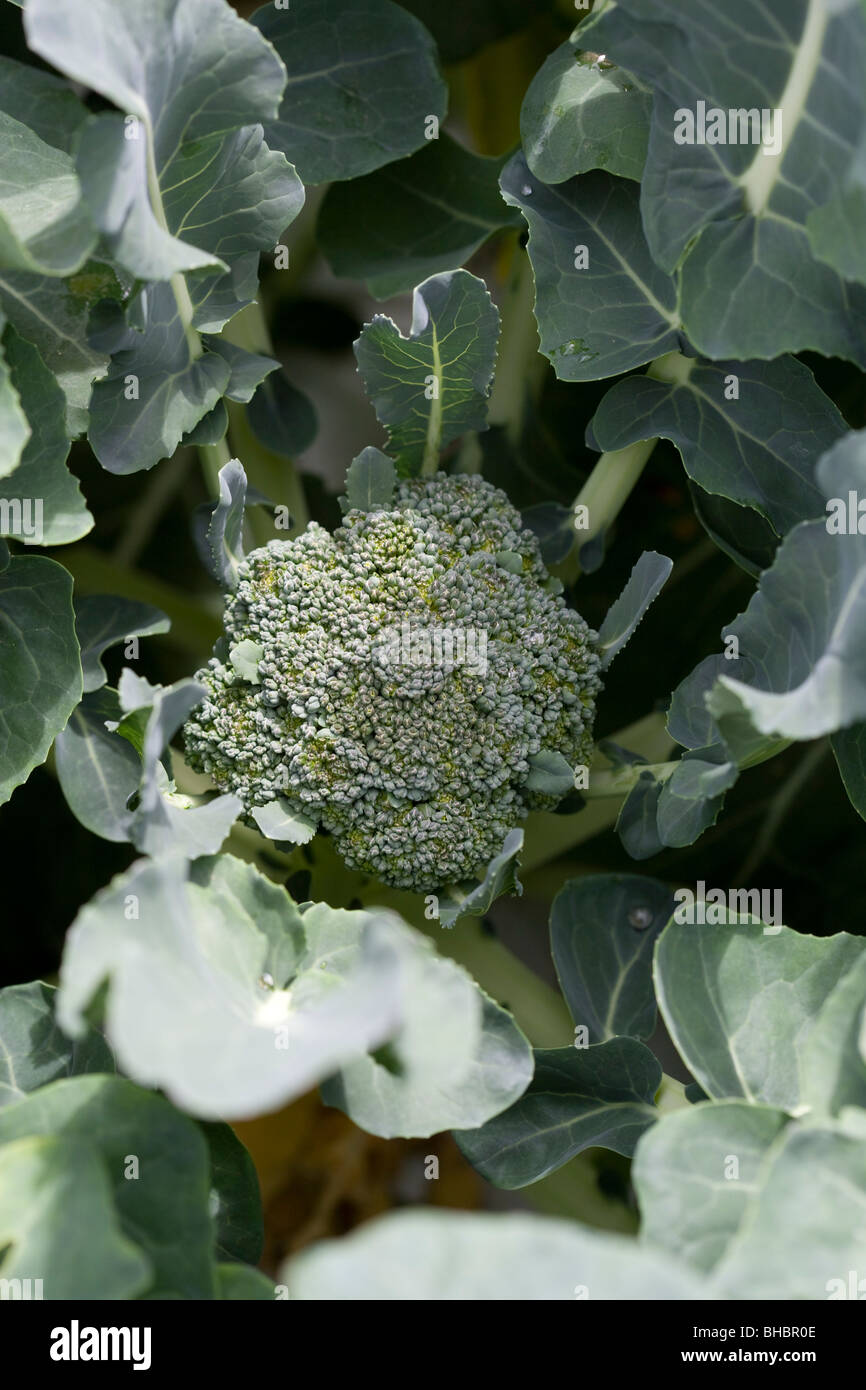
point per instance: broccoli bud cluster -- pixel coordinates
(404, 672)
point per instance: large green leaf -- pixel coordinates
(801, 637)
(59, 1224)
(457, 1060)
(42, 476)
(741, 1002)
(181, 182)
(53, 315)
(434, 1256)
(443, 203)
(40, 671)
(164, 822)
(45, 225)
(432, 386)
(757, 448)
(602, 932)
(849, 750)
(103, 620)
(616, 311)
(42, 101)
(834, 1069)
(33, 1051)
(14, 428)
(162, 1206)
(99, 771)
(806, 1229)
(578, 1098)
(735, 213)
(157, 387)
(235, 1201)
(580, 114)
(363, 79)
(695, 1173)
(282, 1000)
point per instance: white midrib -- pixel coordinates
(760, 178)
(434, 424)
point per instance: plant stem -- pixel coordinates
(520, 367)
(213, 457)
(615, 474)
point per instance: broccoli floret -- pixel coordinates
(397, 677)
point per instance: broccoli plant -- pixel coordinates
(433, 650)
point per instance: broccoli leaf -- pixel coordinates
(432, 387)
(363, 81)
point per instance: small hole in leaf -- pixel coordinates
(640, 918)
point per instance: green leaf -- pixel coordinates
(805, 1229)
(190, 86)
(549, 773)
(800, 638)
(457, 1060)
(53, 315)
(726, 987)
(370, 481)
(849, 750)
(579, 115)
(33, 1051)
(617, 312)
(363, 79)
(432, 386)
(45, 226)
(578, 1098)
(692, 798)
(758, 450)
(163, 1212)
(281, 417)
(235, 1201)
(163, 822)
(224, 539)
(836, 230)
(282, 1001)
(644, 584)
(743, 534)
(602, 932)
(733, 214)
(474, 900)
(834, 1069)
(156, 390)
(433, 1256)
(637, 823)
(42, 480)
(248, 369)
(278, 821)
(103, 620)
(692, 1197)
(40, 672)
(14, 427)
(99, 771)
(42, 101)
(57, 1216)
(443, 203)
(242, 1284)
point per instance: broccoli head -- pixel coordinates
(394, 680)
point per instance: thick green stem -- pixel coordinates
(213, 457)
(615, 474)
(520, 367)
